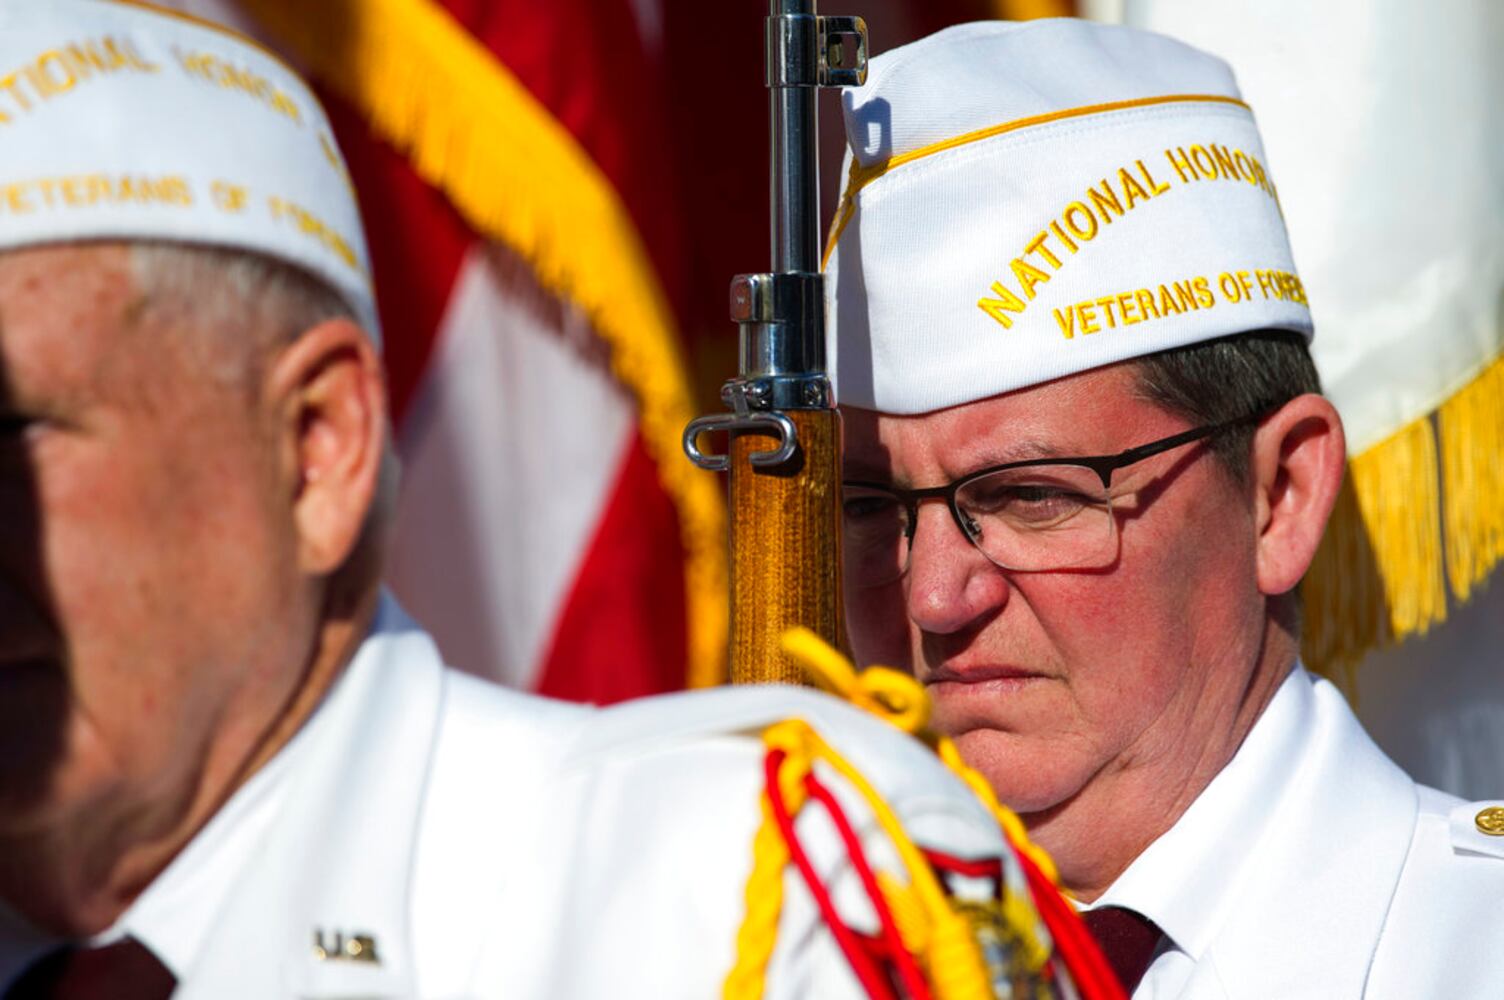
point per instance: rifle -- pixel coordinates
(784, 434)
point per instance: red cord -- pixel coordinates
(867, 974)
(969, 867)
(1073, 942)
(908, 969)
(1074, 945)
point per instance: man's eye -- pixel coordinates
(1042, 494)
(994, 496)
(1027, 503)
(858, 508)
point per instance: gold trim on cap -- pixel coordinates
(223, 29)
(861, 176)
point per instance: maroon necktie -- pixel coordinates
(125, 970)
(1127, 939)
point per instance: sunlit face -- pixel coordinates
(1050, 680)
(148, 592)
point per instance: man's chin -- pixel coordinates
(1028, 773)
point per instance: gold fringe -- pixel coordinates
(1027, 10)
(1345, 609)
(1471, 428)
(517, 176)
(1378, 574)
(1398, 487)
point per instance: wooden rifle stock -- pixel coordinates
(785, 547)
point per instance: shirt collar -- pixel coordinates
(1186, 880)
(177, 912)
(175, 915)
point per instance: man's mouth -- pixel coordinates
(1000, 676)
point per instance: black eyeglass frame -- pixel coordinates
(1103, 465)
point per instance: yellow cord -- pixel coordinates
(1013, 827)
(886, 693)
(900, 699)
(929, 924)
(758, 933)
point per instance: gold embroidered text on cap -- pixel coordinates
(130, 123)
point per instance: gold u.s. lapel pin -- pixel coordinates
(341, 947)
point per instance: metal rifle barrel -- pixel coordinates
(793, 146)
(783, 454)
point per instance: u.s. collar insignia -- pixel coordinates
(341, 947)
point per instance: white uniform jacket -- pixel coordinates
(1313, 867)
(484, 843)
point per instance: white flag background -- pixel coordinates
(1384, 125)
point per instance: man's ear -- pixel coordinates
(1298, 457)
(328, 390)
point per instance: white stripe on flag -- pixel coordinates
(512, 445)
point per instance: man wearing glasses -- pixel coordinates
(1087, 463)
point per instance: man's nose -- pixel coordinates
(951, 584)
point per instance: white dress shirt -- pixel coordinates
(1312, 867)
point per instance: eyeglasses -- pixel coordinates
(1033, 515)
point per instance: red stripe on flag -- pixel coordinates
(584, 61)
(622, 631)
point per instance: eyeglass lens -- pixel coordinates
(1035, 518)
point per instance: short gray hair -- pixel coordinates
(234, 310)
(1230, 378)
(253, 303)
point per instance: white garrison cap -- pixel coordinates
(1027, 201)
(119, 120)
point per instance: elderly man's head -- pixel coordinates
(194, 431)
(193, 446)
(1086, 454)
